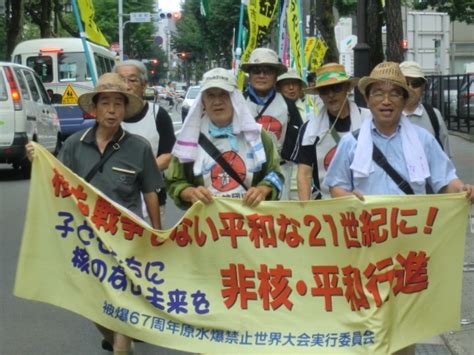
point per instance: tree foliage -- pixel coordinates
(458, 10)
(206, 39)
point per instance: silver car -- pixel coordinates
(26, 114)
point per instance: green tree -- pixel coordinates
(458, 10)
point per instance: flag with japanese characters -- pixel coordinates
(339, 276)
(260, 15)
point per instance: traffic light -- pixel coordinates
(154, 61)
(183, 55)
(170, 15)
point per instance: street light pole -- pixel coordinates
(120, 28)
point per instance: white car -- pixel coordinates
(26, 114)
(191, 95)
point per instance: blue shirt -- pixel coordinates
(339, 174)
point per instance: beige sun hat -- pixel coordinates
(412, 69)
(385, 72)
(264, 56)
(291, 74)
(331, 74)
(111, 82)
(218, 78)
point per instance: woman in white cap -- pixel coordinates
(291, 86)
(118, 163)
(219, 129)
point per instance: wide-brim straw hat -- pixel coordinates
(389, 72)
(331, 74)
(264, 57)
(291, 74)
(111, 82)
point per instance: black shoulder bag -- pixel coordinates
(381, 161)
(211, 149)
(105, 157)
(434, 122)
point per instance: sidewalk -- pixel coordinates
(460, 342)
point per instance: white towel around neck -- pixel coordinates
(415, 157)
(318, 126)
(186, 148)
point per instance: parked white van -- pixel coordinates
(26, 114)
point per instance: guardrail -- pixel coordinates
(453, 96)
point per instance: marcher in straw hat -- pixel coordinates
(220, 115)
(128, 171)
(423, 115)
(276, 114)
(411, 150)
(318, 138)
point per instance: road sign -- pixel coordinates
(158, 40)
(140, 17)
(69, 96)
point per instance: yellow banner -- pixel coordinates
(260, 15)
(295, 36)
(308, 48)
(333, 276)
(86, 8)
(319, 52)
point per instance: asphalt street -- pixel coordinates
(35, 328)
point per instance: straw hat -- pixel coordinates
(291, 74)
(218, 78)
(385, 72)
(331, 74)
(264, 56)
(111, 82)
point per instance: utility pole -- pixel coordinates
(120, 28)
(361, 50)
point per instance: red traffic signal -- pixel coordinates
(183, 55)
(154, 61)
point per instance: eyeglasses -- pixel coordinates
(133, 80)
(336, 88)
(415, 83)
(262, 70)
(379, 96)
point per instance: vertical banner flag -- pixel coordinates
(308, 49)
(293, 21)
(86, 8)
(283, 36)
(260, 15)
(319, 52)
(204, 8)
(336, 276)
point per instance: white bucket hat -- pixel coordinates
(218, 78)
(412, 70)
(264, 57)
(291, 74)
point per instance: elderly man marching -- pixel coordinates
(318, 138)
(221, 150)
(118, 163)
(390, 155)
(278, 115)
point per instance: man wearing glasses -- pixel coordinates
(277, 115)
(411, 151)
(423, 115)
(152, 122)
(318, 138)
